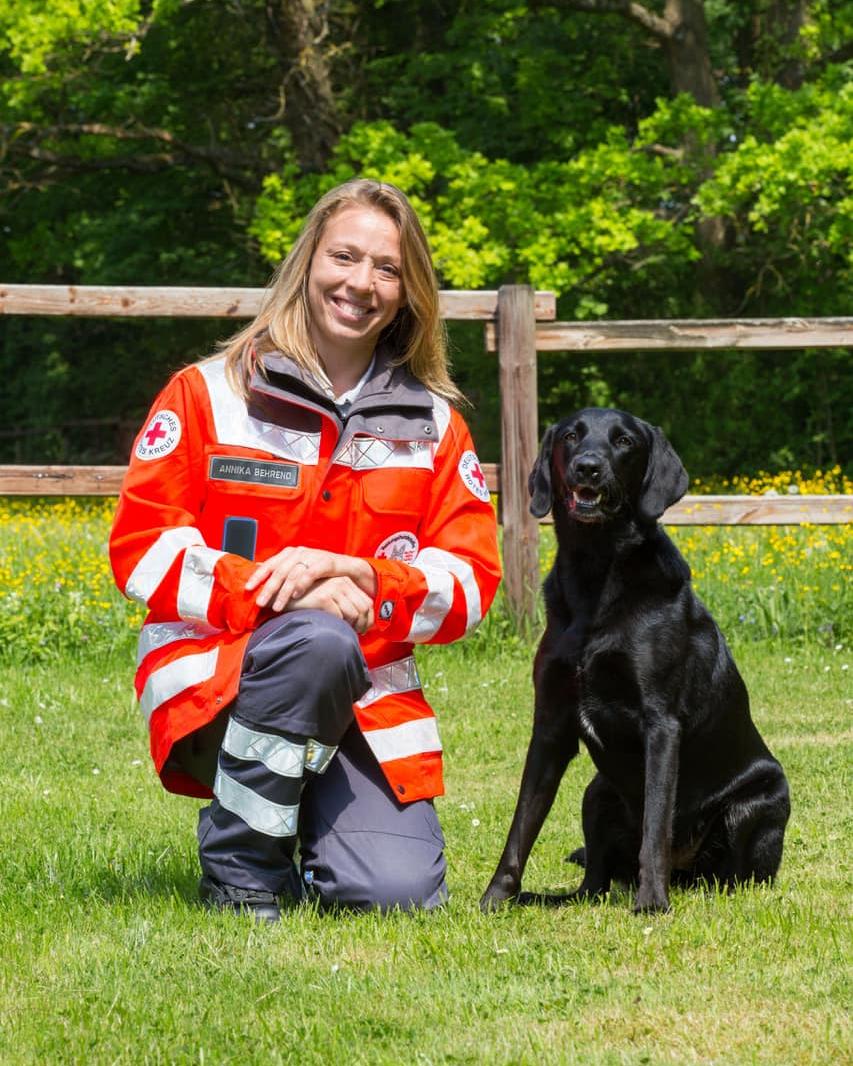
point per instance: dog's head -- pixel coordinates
(600, 463)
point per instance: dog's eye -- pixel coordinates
(571, 435)
(624, 441)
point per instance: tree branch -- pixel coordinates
(237, 166)
(657, 25)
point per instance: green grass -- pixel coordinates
(105, 956)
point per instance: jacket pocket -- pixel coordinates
(398, 493)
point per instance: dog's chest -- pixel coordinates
(609, 705)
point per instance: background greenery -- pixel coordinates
(677, 158)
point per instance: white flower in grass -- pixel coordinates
(38, 720)
(95, 770)
(475, 822)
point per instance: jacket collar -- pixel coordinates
(387, 385)
(392, 403)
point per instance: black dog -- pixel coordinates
(633, 664)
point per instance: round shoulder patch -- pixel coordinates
(402, 546)
(472, 475)
(160, 436)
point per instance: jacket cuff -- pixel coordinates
(388, 601)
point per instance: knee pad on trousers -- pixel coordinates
(301, 675)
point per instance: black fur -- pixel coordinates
(633, 664)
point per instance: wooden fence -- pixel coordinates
(519, 323)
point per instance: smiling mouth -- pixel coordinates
(583, 503)
(351, 310)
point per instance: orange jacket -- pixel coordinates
(397, 482)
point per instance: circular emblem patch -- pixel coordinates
(160, 436)
(472, 474)
(402, 546)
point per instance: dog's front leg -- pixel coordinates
(548, 755)
(663, 738)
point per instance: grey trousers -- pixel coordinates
(358, 846)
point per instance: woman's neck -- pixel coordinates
(344, 371)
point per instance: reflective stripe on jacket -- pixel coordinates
(396, 482)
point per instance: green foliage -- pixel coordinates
(564, 226)
(155, 143)
(786, 190)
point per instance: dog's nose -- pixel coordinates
(587, 468)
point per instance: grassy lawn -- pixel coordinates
(105, 956)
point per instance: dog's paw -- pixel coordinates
(651, 903)
(495, 897)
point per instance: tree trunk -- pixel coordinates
(298, 29)
(687, 51)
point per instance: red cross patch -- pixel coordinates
(472, 475)
(160, 436)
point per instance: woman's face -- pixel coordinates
(355, 285)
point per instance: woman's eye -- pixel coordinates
(389, 270)
(342, 257)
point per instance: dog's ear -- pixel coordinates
(665, 481)
(539, 482)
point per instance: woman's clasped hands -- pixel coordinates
(299, 578)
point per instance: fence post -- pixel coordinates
(516, 328)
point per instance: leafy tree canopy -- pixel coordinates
(642, 160)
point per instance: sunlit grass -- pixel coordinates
(106, 956)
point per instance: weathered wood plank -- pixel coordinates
(61, 480)
(690, 511)
(687, 334)
(760, 511)
(519, 441)
(141, 301)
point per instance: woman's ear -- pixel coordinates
(665, 481)
(539, 482)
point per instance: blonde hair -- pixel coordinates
(417, 330)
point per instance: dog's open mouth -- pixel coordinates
(584, 503)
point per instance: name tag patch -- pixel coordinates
(254, 471)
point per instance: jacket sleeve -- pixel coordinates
(445, 591)
(157, 553)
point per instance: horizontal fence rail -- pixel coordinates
(702, 510)
(118, 301)
(519, 323)
(688, 334)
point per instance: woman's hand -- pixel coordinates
(341, 597)
(293, 572)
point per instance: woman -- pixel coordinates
(300, 510)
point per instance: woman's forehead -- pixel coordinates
(361, 223)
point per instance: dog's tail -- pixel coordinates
(578, 857)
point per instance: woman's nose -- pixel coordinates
(361, 275)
